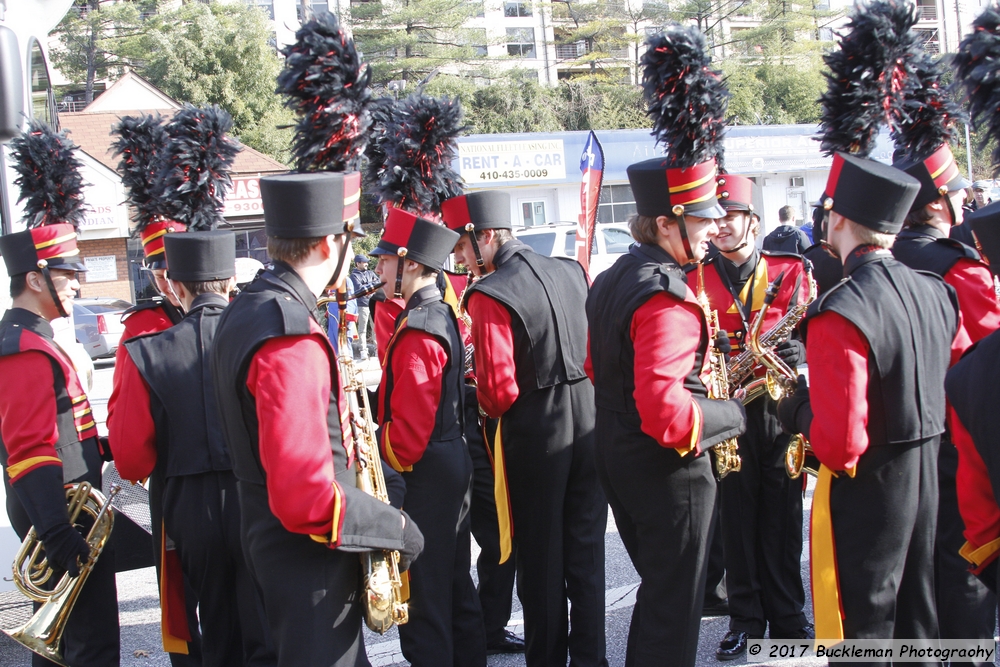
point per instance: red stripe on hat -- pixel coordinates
(455, 213)
(693, 185)
(152, 235)
(352, 195)
(831, 180)
(398, 227)
(53, 241)
(941, 166)
(734, 189)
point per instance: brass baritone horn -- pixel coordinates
(799, 458)
(42, 634)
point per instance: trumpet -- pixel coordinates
(382, 597)
(727, 457)
(799, 458)
(43, 632)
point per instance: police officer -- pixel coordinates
(171, 421)
(284, 421)
(761, 508)
(529, 328)
(48, 437)
(879, 345)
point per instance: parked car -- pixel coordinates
(558, 239)
(98, 324)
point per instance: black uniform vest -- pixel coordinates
(426, 311)
(926, 249)
(24, 331)
(277, 303)
(545, 294)
(175, 365)
(909, 319)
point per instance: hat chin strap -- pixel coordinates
(951, 209)
(480, 262)
(746, 233)
(398, 291)
(44, 267)
(678, 210)
(342, 256)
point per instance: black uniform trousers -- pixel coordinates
(202, 515)
(193, 657)
(560, 518)
(446, 622)
(761, 511)
(311, 592)
(92, 635)
(884, 524)
(663, 504)
(966, 608)
(496, 581)
(715, 580)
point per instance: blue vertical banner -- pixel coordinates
(592, 168)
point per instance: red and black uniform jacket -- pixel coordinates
(284, 418)
(926, 249)
(421, 395)
(48, 436)
(976, 433)
(168, 396)
(647, 355)
(738, 304)
(879, 345)
(528, 326)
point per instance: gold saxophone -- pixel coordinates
(382, 597)
(727, 457)
(42, 633)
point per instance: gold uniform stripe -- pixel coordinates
(52, 242)
(18, 468)
(690, 186)
(943, 168)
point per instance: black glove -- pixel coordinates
(413, 543)
(65, 548)
(791, 351)
(721, 342)
(104, 447)
(795, 412)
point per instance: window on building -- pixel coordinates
(929, 39)
(617, 204)
(476, 39)
(253, 244)
(480, 8)
(521, 42)
(517, 8)
(42, 100)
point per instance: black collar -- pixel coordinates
(30, 321)
(291, 281)
(739, 274)
(424, 295)
(208, 300)
(862, 255)
(508, 250)
(922, 230)
(654, 252)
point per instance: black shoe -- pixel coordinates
(733, 645)
(805, 632)
(508, 643)
(717, 609)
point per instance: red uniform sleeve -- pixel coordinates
(386, 313)
(149, 320)
(588, 364)
(961, 342)
(976, 297)
(28, 412)
(132, 433)
(493, 337)
(668, 412)
(418, 363)
(290, 379)
(838, 389)
(976, 500)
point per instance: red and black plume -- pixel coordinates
(418, 140)
(194, 170)
(685, 97)
(977, 66)
(48, 173)
(380, 111)
(140, 142)
(866, 76)
(326, 85)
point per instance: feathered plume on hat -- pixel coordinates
(380, 111)
(326, 84)
(866, 77)
(927, 112)
(685, 97)
(418, 142)
(977, 66)
(140, 141)
(49, 176)
(194, 168)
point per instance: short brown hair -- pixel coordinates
(917, 217)
(500, 236)
(292, 251)
(206, 286)
(868, 236)
(643, 227)
(18, 285)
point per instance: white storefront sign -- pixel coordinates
(244, 198)
(101, 269)
(499, 161)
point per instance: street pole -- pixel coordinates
(968, 151)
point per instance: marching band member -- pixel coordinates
(48, 437)
(761, 508)
(421, 436)
(528, 328)
(171, 422)
(648, 350)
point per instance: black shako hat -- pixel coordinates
(486, 209)
(411, 237)
(200, 256)
(311, 204)
(938, 175)
(869, 193)
(986, 226)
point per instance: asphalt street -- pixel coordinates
(139, 607)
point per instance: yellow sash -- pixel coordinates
(501, 496)
(823, 562)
